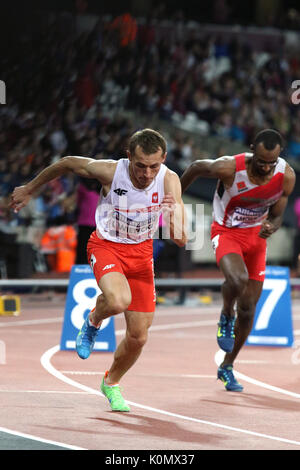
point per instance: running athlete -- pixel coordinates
(135, 190)
(249, 202)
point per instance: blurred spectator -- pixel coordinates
(76, 87)
(125, 28)
(58, 244)
(87, 201)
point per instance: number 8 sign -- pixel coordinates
(273, 317)
(81, 299)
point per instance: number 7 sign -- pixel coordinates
(273, 317)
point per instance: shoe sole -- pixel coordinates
(224, 348)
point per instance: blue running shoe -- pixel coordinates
(226, 375)
(225, 335)
(86, 339)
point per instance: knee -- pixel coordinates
(117, 303)
(246, 312)
(136, 340)
(237, 282)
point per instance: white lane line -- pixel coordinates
(39, 439)
(41, 321)
(218, 360)
(42, 391)
(46, 363)
(168, 376)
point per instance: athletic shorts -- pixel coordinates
(135, 262)
(246, 243)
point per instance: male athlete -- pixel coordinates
(249, 202)
(135, 190)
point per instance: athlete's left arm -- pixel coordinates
(274, 219)
(173, 208)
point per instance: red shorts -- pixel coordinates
(135, 262)
(246, 243)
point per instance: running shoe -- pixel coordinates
(113, 393)
(225, 335)
(86, 339)
(225, 374)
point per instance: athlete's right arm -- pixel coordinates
(222, 168)
(102, 170)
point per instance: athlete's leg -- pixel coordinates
(131, 346)
(236, 278)
(246, 304)
(115, 297)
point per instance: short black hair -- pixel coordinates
(269, 137)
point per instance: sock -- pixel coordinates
(109, 385)
(91, 323)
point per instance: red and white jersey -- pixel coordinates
(128, 214)
(245, 204)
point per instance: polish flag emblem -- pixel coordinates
(155, 197)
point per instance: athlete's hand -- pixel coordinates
(267, 228)
(19, 198)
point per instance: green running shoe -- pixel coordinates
(116, 401)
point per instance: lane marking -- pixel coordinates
(160, 314)
(31, 322)
(80, 372)
(39, 439)
(42, 391)
(46, 363)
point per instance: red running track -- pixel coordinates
(176, 401)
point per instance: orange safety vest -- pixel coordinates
(62, 242)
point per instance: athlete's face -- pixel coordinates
(144, 168)
(264, 161)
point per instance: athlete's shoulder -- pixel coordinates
(105, 162)
(289, 179)
(289, 173)
(170, 174)
(225, 167)
(105, 169)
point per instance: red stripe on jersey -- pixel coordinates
(264, 195)
(240, 163)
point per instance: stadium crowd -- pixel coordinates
(67, 91)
